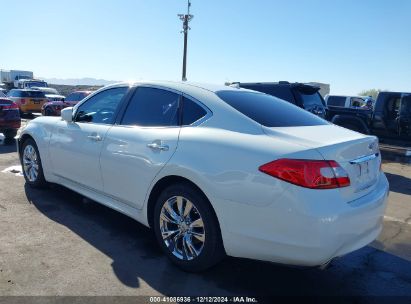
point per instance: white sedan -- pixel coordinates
(215, 171)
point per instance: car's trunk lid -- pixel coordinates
(358, 154)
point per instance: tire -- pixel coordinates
(10, 134)
(204, 246)
(48, 112)
(30, 159)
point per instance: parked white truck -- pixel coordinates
(12, 77)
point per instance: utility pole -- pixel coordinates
(186, 18)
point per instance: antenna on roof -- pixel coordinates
(186, 18)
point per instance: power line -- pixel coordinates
(186, 18)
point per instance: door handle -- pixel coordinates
(95, 137)
(157, 146)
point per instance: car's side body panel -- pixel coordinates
(260, 217)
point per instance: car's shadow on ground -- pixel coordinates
(399, 183)
(7, 146)
(135, 256)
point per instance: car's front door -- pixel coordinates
(75, 147)
(141, 144)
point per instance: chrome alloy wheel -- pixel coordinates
(182, 228)
(30, 163)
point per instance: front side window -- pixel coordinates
(101, 108)
(152, 108)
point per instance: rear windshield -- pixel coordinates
(310, 100)
(268, 110)
(33, 94)
(31, 84)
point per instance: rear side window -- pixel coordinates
(336, 101)
(33, 94)
(268, 110)
(192, 112)
(152, 108)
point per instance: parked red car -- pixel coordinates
(9, 118)
(53, 108)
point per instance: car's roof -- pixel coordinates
(181, 86)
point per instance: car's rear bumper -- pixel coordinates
(299, 231)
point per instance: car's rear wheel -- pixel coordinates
(31, 162)
(187, 228)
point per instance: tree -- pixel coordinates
(372, 92)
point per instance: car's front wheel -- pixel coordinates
(31, 163)
(187, 228)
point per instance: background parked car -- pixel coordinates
(9, 118)
(389, 119)
(51, 93)
(30, 83)
(53, 108)
(303, 95)
(28, 101)
(355, 102)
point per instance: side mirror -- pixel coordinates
(67, 114)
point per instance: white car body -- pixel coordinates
(260, 217)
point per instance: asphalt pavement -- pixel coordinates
(52, 243)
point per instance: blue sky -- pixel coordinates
(351, 44)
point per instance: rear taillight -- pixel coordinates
(12, 106)
(314, 174)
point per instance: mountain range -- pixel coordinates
(78, 81)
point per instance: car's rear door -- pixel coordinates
(75, 147)
(142, 142)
